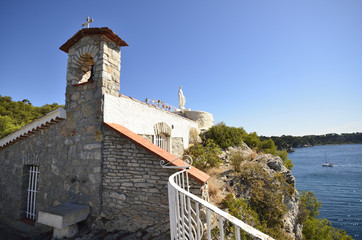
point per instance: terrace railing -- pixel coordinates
(190, 216)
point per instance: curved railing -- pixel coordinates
(188, 214)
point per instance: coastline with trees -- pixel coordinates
(287, 142)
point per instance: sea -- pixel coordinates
(339, 188)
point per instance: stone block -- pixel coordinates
(63, 215)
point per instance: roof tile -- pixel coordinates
(92, 31)
(195, 173)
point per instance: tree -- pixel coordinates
(7, 126)
(251, 139)
(205, 155)
(14, 115)
(225, 136)
(315, 228)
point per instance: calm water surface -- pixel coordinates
(339, 188)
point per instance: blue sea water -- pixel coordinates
(339, 188)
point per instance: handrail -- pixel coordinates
(182, 215)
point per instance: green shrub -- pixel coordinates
(14, 115)
(205, 155)
(268, 146)
(265, 193)
(283, 154)
(240, 209)
(310, 204)
(8, 125)
(321, 229)
(225, 136)
(265, 207)
(313, 227)
(252, 140)
(236, 159)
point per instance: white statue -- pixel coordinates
(181, 99)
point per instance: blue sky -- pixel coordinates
(274, 67)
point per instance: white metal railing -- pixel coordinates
(185, 210)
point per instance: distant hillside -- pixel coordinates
(288, 142)
(14, 115)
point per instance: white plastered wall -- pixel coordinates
(140, 117)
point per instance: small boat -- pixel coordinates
(326, 164)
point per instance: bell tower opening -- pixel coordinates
(85, 71)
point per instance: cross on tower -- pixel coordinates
(88, 21)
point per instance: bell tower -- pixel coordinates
(94, 64)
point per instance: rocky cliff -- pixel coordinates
(265, 183)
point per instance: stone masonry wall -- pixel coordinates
(135, 195)
(106, 56)
(69, 170)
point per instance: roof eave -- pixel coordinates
(48, 119)
(92, 31)
(195, 173)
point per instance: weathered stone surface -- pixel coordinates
(134, 189)
(204, 119)
(68, 232)
(271, 165)
(177, 146)
(63, 215)
(243, 149)
(274, 164)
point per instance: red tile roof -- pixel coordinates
(92, 31)
(195, 173)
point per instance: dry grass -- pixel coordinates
(217, 186)
(253, 155)
(238, 157)
(214, 171)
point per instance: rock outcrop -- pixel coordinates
(204, 119)
(228, 181)
(272, 165)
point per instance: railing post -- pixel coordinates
(198, 221)
(208, 224)
(221, 226)
(189, 216)
(182, 215)
(172, 208)
(178, 216)
(237, 232)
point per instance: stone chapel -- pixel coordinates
(101, 152)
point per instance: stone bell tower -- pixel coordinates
(94, 64)
(93, 70)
